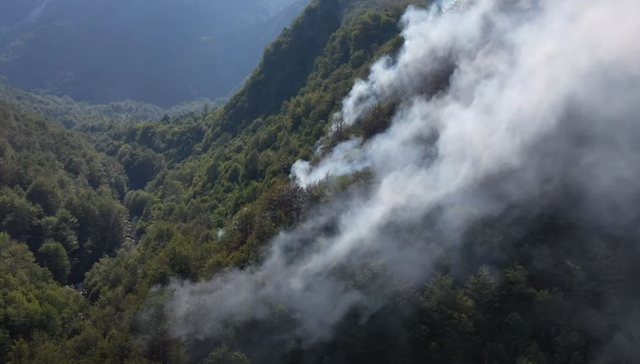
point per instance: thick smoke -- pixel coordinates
(542, 94)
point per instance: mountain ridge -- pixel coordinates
(101, 53)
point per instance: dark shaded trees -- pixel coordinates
(53, 256)
(59, 189)
(140, 164)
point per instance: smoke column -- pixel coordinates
(542, 93)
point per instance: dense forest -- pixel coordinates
(135, 234)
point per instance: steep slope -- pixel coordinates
(544, 248)
(223, 200)
(439, 217)
(163, 53)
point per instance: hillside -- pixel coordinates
(394, 183)
(175, 204)
(165, 54)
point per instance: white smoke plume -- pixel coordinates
(38, 11)
(531, 81)
(344, 159)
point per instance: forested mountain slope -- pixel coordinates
(162, 52)
(202, 215)
(239, 251)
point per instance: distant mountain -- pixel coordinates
(163, 51)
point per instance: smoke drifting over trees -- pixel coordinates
(539, 110)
